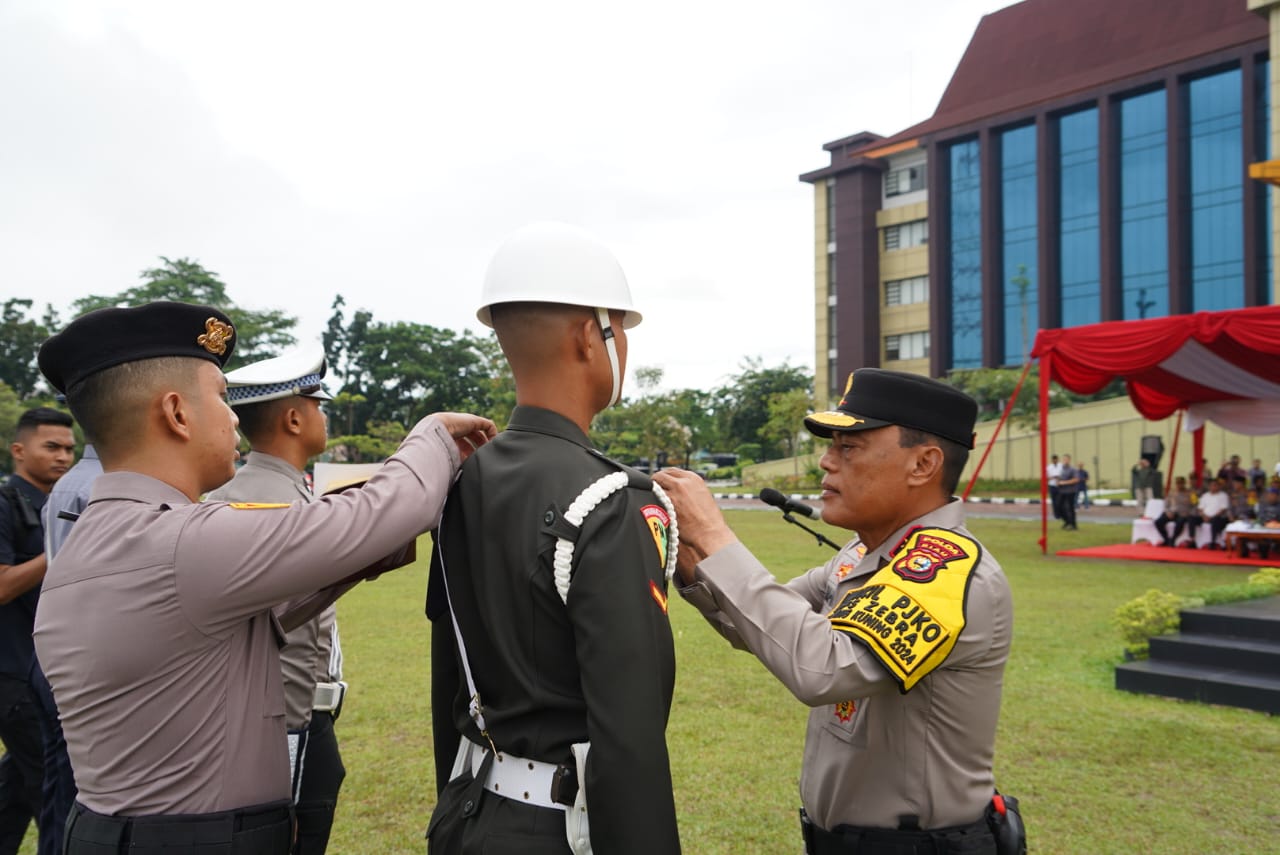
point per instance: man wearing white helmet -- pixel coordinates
(554, 563)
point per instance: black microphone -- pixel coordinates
(771, 496)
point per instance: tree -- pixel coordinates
(992, 388)
(259, 333)
(10, 411)
(743, 405)
(20, 340)
(379, 441)
(785, 425)
(497, 393)
(661, 436)
(408, 370)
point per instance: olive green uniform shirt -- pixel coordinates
(599, 669)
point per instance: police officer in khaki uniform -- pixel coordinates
(278, 403)
(898, 644)
(156, 622)
(556, 560)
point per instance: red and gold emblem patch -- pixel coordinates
(925, 555)
(845, 710)
(658, 521)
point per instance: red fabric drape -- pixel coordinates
(1085, 359)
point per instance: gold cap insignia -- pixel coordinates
(215, 336)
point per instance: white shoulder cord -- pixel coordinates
(582, 506)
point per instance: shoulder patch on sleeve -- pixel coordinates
(912, 610)
(256, 506)
(659, 522)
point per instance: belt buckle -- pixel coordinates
(329, 697)
(564, 784)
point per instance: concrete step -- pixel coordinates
(1229, 687)
(1218, 651)
(1256, 619)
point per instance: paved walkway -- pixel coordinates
(1021, 511)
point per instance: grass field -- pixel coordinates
(1098, 771)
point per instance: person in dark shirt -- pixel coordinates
(43, 450)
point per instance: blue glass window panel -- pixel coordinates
(1019, 245)
(1217, 192)
(1144, 206)
(1078, 237)
(966, 256)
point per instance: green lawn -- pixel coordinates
(1098, 771)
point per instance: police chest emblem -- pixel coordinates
(215, 336)
(910, 613)
(657, 519)
(845, 710)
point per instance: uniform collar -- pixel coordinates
(278, 465)
(950, 516)
(537, 420)
(89, 453)
(136, 487)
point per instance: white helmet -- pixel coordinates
(556, 263)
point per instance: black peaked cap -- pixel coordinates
(106, 338)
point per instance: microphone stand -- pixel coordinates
(786, 515)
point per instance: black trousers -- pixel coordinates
(22, 766)
(1179, 523)
(256, 830)
(1066, 509)
(59, 787)
(322, 775)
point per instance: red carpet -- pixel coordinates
(1143, 551)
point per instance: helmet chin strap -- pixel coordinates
(610, 345)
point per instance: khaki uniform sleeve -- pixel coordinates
(779, 624)
(234, 562)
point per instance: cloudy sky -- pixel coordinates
(382, 150)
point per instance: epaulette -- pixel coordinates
(587, 501)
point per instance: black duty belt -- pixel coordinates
(258, 830)
(972, 839)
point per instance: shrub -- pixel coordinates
(1154, 613)
(1157, 612)
(1267, 578)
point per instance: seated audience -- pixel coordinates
(1214, 508)
(1178, 509)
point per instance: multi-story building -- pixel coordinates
(1087, 162)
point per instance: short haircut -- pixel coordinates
(257, 420)
(954, 455)
(531, 332)
(32, 419)
(111, 404)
